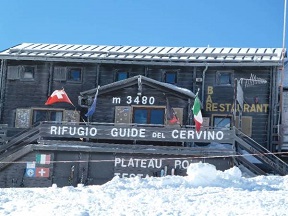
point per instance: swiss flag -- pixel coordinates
(42, 172)
(58, 96)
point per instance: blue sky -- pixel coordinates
(193, 23)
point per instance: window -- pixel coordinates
(170, 77)
(13, 73)
(59, 74)
(224, 78)
(148, 115)
(21, 73)
(222, 122)
(121, 75)
(74, 74)
(47, 115)
(28, 72)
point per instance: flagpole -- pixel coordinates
(74, 107)
(91, 109)
(197, 93)
(282, 71)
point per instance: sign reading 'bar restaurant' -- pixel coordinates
(167, 134)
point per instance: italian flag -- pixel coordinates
(43, 158)
(197, 114)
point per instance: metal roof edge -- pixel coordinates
(146, 61)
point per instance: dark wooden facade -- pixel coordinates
(31, 72)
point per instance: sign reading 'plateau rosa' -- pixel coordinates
(137, 133)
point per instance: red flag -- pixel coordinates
(42, 172)
(171, 115)
(58, 96)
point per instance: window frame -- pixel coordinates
(17, 72)
(117, 72)
(69, 77)
(167, 72)
(13, 72)
(59, 73)
(47, 110)
(223, 72)
(149, 109)
(213, 116)
(24, 70)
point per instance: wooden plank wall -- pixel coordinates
(23, 94)
(253, 94)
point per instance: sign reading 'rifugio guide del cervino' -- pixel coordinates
(136, 133)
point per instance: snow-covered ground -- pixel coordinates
(204, 191)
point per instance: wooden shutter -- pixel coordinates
(122, 114)
(23, 118)
(71, 116)
(246, 125)
(60, 74)
(13, 73)
(206, 122)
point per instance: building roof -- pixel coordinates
(145, 54)
(141, 80)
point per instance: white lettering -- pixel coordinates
(72, 132)
(93, 131)
(130, 175)
(219, 135)
(64, 130)
(114, 132)
(185, 164)
(53, 130)
(80, 131)
(158, 135)
(175, 134)
(211, 135)
(158, 165)
(182, 134)
(190, 134)
(128, 132)
(122, 163)
(131, 162)
(151, 163)
(117, 161)
(143, 163)
(136, 163)
(177, 164)
(198, 135)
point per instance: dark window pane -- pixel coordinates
(170, 77)
(28, 73)
(55, 116)
(122, 76)
(39, 115)
(220, 122)
(148, 115)
(47, 115)
(225, 78)
(140, 116)
(74, 75)
(157, 116)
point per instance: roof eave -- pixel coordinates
(170, 62)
